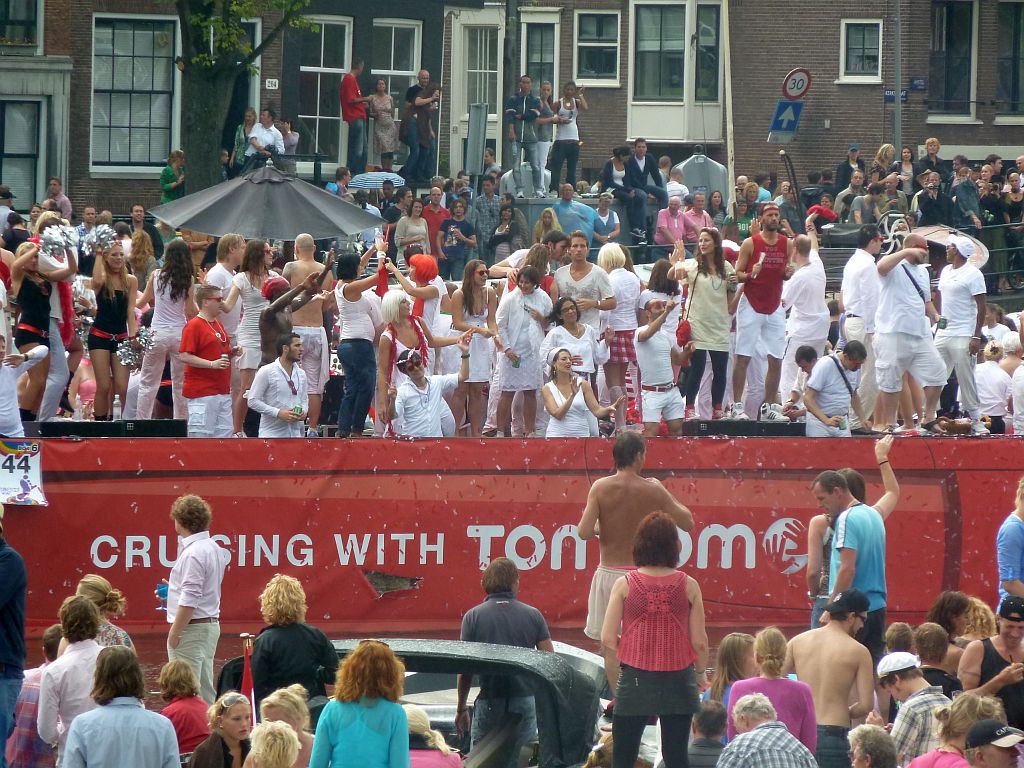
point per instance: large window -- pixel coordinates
(860, 57)
(482, 67)
(540, 54)
(132, 91)
(19, 24)
(323, 61)
(1010, 84)
(396, 56)
(597, 46)
(706, 86)
(949, 79)
(660, 53)
(19, 149)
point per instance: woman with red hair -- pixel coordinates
(428, 291)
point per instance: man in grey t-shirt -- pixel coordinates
(502, 620)
(832, 389)
(585, 283)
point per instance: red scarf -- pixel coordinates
(424, 352)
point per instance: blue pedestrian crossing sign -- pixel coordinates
(787, 116)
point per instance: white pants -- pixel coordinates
(955, 352)
(790, 370)
(868, 388)
(816, 428)
(57, 378)
(210, 416)
(166, 343)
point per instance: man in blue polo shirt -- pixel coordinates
(858, 554)
(503, 620)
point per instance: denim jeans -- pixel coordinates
(10, 687)
(833, 747)
(658, 192)
(634, 203)
(528, 153)
(487, 714)
(569, 153)
(817, 609)
(452, 267)
(357, 146)
(360, 365)
(423, 170)
(409, 131)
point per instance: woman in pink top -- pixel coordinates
(427, 748)
(792, 699)
(663, 648)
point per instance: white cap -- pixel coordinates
(964, 245)
(897, 662)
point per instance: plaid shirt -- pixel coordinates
(487, 213)
(24, 748)
(769, 745)
(914, 730)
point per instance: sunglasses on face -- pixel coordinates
(481, 271)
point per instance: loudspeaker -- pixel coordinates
(62, 428)
(156, 428)
(729, 428)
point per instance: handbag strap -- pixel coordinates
(920, 293)
(691, 294)
(842, 375)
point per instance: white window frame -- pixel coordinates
(131, 171)
(41, 189)
(541, 15)
(417, 27)
(845, 79)
(615, 82)
(499, 98)
(971, 118)
(306, 167)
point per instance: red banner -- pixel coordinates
(390, 536)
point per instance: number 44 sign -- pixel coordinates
(20, 473)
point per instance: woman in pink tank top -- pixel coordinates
(662, 647)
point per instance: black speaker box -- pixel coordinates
(729, 428)
(156, 428)
(135, 428)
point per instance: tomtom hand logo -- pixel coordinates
(781, 541)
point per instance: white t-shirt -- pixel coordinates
(627, 295)
(901, 309)
(804, 296)
(958, 287)
(994, 388)
(860, 288)
(420, 409)
(830, 393)
(220, 276)
(672, 321)
(654, 357)
(995, 333)
(1018, 400)
(594, 285)
(675, 189)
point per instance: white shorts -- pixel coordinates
(815, 428)
(658, 405)
(250, 358)
(315, 360)
(898, 353)
(210, 416)
(757, 332)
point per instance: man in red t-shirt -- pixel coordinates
(353, 112)
(765, 261)
(206, 351)
(435, 215)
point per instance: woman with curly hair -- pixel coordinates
(950, 611)
(290, 651)
(141, 256)
(116, 290)
(981, 622)
(364, 726)
(171, 291)
(111, 604)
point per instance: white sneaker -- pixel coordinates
(977, 428)
(736, 413)
(772, 412)
(239, 434)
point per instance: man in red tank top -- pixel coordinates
(762, 266)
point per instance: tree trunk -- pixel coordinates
(205, 98)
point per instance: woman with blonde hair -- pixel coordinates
(141, 257)
(116, 291)
(427, 747)
(227, 746)
(111, 604)
(290, 705)
(363, 725)
(882, 163)
(622, 321)
(237, 159)
(792, 699)
(290, 651)
(734, 661)
(274, 745)
(546, 222)
(952, 724)
(981, 621)
(186, 710)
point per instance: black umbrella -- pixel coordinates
(266, 203)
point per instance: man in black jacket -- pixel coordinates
(933, 205)
(846, 168)
(639, 168)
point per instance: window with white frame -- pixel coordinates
(19, 24)
(659, 52)
(19, 149)
(396, 56)
(323, 62)
(482, 67)
(860, 54)
(1010, 81)
(132, 91)
(708, 22)
(951, 58)
(597, 46)
(540, 54)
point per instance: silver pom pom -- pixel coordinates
(130, 355)
(100, 237)
(53, 243)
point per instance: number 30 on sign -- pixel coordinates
(20, 474)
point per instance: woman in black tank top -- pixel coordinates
(33, 327)
(116, 291)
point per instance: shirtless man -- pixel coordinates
(615, 508)
(833, 663)
(308, 323)
(276, 319)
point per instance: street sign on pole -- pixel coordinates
(785, 120)
(796, 84)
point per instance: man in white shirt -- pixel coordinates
(675, 186)
(903, 341)
(958, 339)
(65, 690)
(655, 355)
(860, 290)
(13, 366)
(831, 392)
(264, 141)
(230, 249)
(193, 592)
(585, 282)
(417, 403)
(804, 296)
(279, 392)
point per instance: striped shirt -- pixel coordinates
(914, 730)
(768, 745)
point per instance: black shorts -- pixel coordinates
(872, 636)
(22, 337)
(98, 342)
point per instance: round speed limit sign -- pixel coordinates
(796, 84)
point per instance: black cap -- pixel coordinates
(993, 732)
(849, 601)
(5, 192)
(1012, 608)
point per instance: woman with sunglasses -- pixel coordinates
(364, 725)
(589, 350)
(418, 404)
(228, 744)
(570, 401)
(473, 309)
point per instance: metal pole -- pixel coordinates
(510, 75)
(897, 135)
